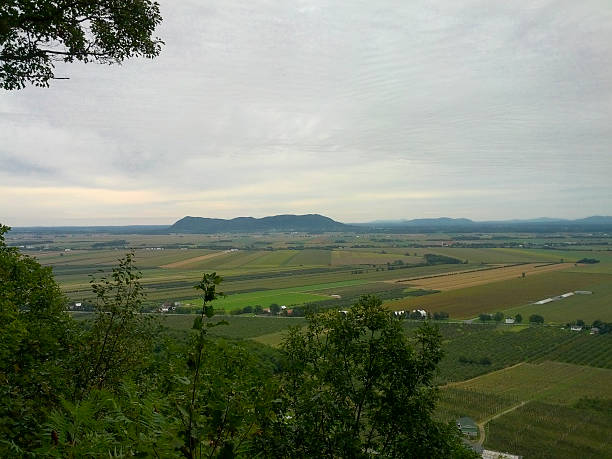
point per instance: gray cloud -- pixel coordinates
(18, 168)
(359, 110)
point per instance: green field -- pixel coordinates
(286, 297)
(544, 430)
(551, 382)
(483, 350)
(560, 410)
(585, 307)
(585, 349)
(456, 402)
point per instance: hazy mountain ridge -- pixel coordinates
(542, 224)
(302, 223)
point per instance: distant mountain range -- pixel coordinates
(319, 223)
(301, 223)
(542, 224)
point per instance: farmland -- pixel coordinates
(507, 377)
(486, 350)
(461, 280)
(544, 430)
(562, 410)
(504, 295)
(294, 269)
(585, 349)
(598, 305)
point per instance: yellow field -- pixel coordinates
(191, 261)
(453, 281)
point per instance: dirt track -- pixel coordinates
(454, 281)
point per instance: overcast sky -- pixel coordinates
(358, 110)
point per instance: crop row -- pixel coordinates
(488, 350)
(591, 350)
(540, 430)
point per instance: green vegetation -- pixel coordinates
(480, 349)
(457, 402)
(544, 430)
(34, 37)
(588, 261)
(584, 349)
(137, 392)
(238, 327)
(551, 407)
(357, 376)
(118, 385)
(435, 259)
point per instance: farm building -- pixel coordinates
(547, 300)
(467, 426)
(594, 331)
(583, 292)
(509, 320)
(576, 328)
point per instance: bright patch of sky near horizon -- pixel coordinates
(356, 110)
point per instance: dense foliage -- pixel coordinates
(356, 387)
(349, 385)
(34, 34)
(437, 259)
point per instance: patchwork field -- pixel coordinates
(191, 261)
(468, 302)
(453, 281)
(550, 409)
(597, 306)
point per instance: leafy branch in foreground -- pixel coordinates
(35, 34)
(208, 286)
(120, 337)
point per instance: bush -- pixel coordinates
(440, 315)
(536, 319)
(588, 261)
(435, 259)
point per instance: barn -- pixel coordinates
(467, 426)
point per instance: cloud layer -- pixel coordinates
(357, 110)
